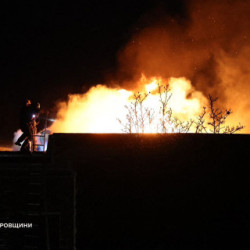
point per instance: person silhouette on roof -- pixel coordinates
(25, 120)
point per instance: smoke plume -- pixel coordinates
(210, 46)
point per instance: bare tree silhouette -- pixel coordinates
(139, 117)
(200, 122)
(218, 118)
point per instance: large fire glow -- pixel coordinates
(209, 46)
(99, 109)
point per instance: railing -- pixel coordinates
(39, 140)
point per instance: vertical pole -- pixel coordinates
(34, 136)
(33, 141)
(45, 130)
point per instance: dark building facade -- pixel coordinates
(130, 191)
(172, 191)
(37, 203)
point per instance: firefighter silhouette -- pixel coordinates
(28, 124)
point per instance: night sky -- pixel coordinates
(52, 49)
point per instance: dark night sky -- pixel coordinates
(49, 50)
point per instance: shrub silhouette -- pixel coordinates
(139, 117)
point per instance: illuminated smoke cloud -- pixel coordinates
(210, 46)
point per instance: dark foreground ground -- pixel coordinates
(174, 191)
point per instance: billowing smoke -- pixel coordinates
(210, 46)
(16, 135)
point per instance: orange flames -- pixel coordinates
(98, 110)
(93, 112)
(210, 47)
